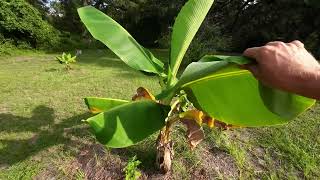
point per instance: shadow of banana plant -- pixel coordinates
(46, 133)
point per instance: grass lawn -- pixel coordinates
(42, 136)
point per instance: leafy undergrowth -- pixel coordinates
(42, 137)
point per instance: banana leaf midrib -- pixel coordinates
(127, 104)
(217, 76)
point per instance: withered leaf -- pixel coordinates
(193, 114)
(143, 93)
(223, 125)
(195, 132)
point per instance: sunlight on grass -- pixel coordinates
(41, 109)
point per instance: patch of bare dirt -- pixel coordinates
(49, 174)
(217, 163)
(3, 166)
(3, 109)
(256, 157)
(96, 164)
(155, 176)
(149, 172)
(23, 58)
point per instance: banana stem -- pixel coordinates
(169, 124)
(164, 144)
(162, 83)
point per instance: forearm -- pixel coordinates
(310, 87)
(314, 86)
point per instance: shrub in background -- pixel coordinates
(312, 43)
(209, 40)
(7, 47)
(71, 42)
(23, 25)
(164, 41)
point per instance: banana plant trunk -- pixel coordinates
(164, 151)
(164, 144)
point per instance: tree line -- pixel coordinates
(231, 26)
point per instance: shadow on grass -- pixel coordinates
(107, 58)
(65, 134)
(122, 70)
(103, 58)
(46, 133)
(103, 61)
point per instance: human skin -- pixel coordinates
(286, 66)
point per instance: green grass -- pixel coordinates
(42, 136)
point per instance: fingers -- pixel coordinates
(298, 43)
(256, 52)
(275, 43)
(294, 44)
(252, 52)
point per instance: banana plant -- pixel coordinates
(213, 91)
(66, 59)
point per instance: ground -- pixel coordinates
(42, 136)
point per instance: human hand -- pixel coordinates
(286, 66)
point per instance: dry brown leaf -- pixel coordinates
(195, 133)
(143, 93)
(193, 114)
(223, 125)
(208, 120)
(193, 119)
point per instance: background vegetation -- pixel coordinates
(231, 26)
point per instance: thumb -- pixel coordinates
(253, 68)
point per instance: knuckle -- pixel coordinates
(280, 44)
(298, 43)
(266, 50)
(276, 43)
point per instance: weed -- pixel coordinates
(131, 170)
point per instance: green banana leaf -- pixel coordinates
(193, 72)
(232, 95)
(185, 28)
(113, 35)
(98, 105)
(127, 124)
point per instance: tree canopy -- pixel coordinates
(232, 25)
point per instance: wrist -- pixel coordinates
(310, 86)
(316, 74)
(317, 77)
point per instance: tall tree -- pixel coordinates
(253, 23)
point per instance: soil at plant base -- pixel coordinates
(95, 162)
